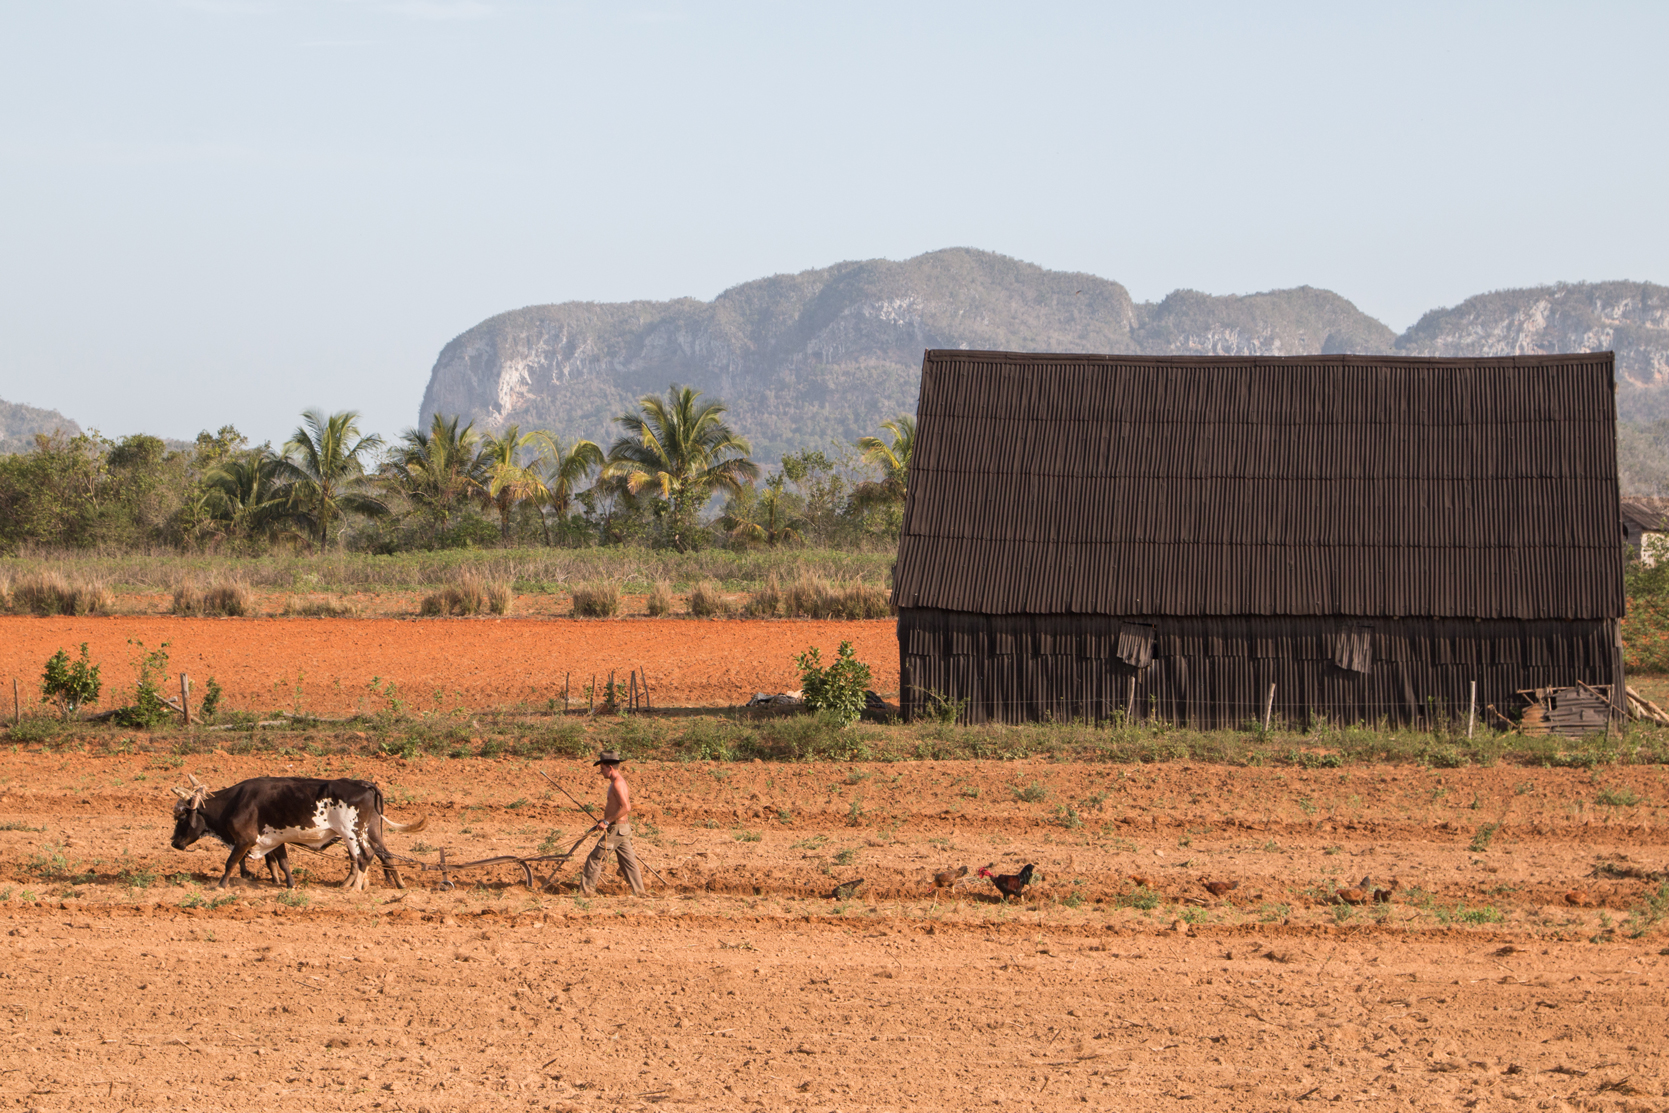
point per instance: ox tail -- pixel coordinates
(414, 825)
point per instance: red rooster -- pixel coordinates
(1009, 884)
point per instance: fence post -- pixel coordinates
(566, 677)
(17, 705)
(591, 697)
(632, 694)
(1130, 701)
(645, 676)
(1268, 708)
(1472, 709)
(185, 699)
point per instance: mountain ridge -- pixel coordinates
(828, 353)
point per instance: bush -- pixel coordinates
(766, 602)
(212, 695)
(814, 597)
(50, 593)
(314, 607)
(837, 689)
(69, 683)
(147, 711)
(469, 595)
(707, 601)
(223, 598)
(596, 600)
(660, 598)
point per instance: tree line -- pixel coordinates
(676, 476)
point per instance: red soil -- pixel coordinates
(127, 982)
(479, 663)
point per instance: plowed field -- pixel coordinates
(1519, 963)
(324, 666)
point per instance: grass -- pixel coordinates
(537, 730)
(527, 570)
(1619, 797)
(708, 601)
(225, 597)
(599, 599)
(470, 595)
(809, 595)
(52, 592)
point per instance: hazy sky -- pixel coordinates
(227, 210)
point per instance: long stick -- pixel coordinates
(645, 676)
(185, 698)
(1267, 708)
(17, 704)
(591, 697)
(589, 812)
(566, 677)
(1472, 709)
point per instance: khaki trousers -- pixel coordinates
(617, 838)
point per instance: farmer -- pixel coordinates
(617, 830)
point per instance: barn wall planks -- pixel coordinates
(1368, 534)
(1216, 672)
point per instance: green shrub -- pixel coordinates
(69, 683)
(660, 599)
(147, 711)
(837, 689)
(212, 694)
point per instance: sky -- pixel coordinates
(229, 211)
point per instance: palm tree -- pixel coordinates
(437, 467)
(565, 468)
(769, 519)
(241, 496)
(893, 460)
(323, 473)
(505, 479)
(683, 452)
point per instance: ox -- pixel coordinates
(258, 818)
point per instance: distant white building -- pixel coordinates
(1646, 529)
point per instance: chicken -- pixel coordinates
(1579, 899)
(1383, 896)
(1218, 888)
(1009, 884)
(944, 879)
(1356, 894)
(845, 890)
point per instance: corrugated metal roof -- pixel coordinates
(1316, 485)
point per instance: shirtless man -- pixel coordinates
(617, 830)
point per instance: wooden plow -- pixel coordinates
(526, 862)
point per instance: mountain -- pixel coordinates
(831, 353)
(20, 423)
(1630, 318)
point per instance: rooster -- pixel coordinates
(1009, 884)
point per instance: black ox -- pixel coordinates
(258, 818)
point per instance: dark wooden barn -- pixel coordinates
(1087, 536)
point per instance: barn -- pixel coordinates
(1202, 540)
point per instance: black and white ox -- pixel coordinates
(258, 818)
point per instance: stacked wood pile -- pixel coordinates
(1579, 710)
